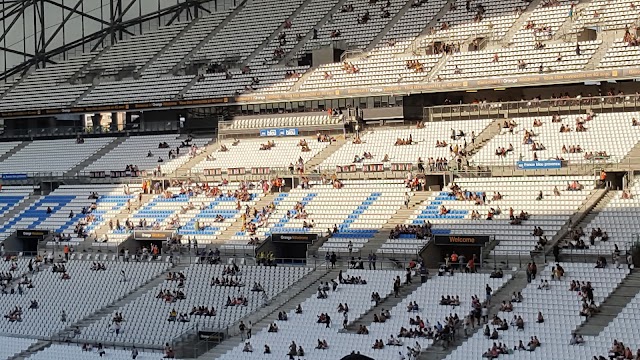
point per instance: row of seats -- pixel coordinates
(146, 318)
(50, 87)
(618, 219)
(62, 202)
(612, 133)
(55, 156)
(135, 151)
(55, 295)
(282, 122)
(550, 213)
(47, 87)
(382, 143)
(428, 296)
(189, 210)
(560, 309)
(358, 212)
(75, 352)
(10, 346)
(247, 154)
(304, 330)
(247, 30)
(183, 45)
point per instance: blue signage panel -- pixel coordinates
(279, 132)
(14, 176)
(539, 164)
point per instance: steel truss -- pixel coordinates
(114, 29)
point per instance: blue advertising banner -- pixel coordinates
(279, 132)
(539, 164)
(14, 176)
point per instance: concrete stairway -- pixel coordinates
(126, 299)
(531, 6)
(97, 155)
(21, 207)
(236, 226)
(517, 283)
(301, 80)
(104, 228)
(280, 29)
(387, 303)
(484, 137)
(13, 151)
(583, 216)
(427, 27)
(314, 162)
(206, 39)
(286, 301)
(83, 70)
(38, 346)
(608, 38)
(612, 305)
(185, 169)
(593, 212)
(631, 159)
(433, 73)
(564, 31)
(389, 26)
(166, 47)
(400, 217)
(292, 53)
(15, 84)
(84, 94)
(180, 95)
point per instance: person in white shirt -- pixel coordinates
(400, 356)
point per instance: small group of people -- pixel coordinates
(422, 231)
(349, 68)
(97, 266)
(450, 300)
(239, 300)
(171, 296)
(227, 281)
(15, 315)
(384, 315)
(203, 311)
(415, 65)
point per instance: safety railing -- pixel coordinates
(107, 130)
(536, 107)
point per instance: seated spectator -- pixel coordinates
(247, 347)
(506, 306)
(496, 274)
(173, 315)
(544, 285)
(533, 344)
(273, 328)
(576, 339)
(362, 330)
(322, 345)
(540, 318)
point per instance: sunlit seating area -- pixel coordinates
(607, 137)
(384, 145)
(450, 213)
(274, 153)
